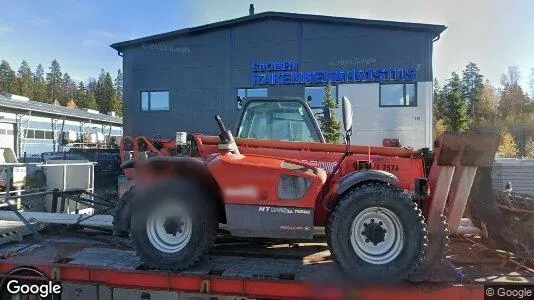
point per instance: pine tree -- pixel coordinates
(39, 85)
(53, 80)
(68, 89)
(90, 101)
(330, 126)
(117, 104)
(472, 85)
(97, 89)
(105, 93)
(118, 84)
(24, 80)
(437, 107)
(91, 86)
(80, 90)
(84, 98)
(455, 113)
(8, 79)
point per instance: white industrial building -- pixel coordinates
(32, 128)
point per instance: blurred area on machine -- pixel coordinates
(391, 143)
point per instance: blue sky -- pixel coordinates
(494, 34)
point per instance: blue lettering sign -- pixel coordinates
(295, 77)
(287, 78)
(350, 75)
(360, 76)
(285, 73)
(338, 77)
(411, 74)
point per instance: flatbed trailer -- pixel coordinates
(93, 265)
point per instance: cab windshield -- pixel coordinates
(278, 120)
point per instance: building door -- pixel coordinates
(7, 135)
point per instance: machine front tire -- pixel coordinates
(437, 252)
(173, 226)
(377, 234)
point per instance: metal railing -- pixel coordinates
(65, 182)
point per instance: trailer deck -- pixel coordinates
(101, 266)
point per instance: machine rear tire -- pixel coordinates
(180, 207)
(377, 234)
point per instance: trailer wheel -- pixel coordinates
(377, 233)
(437, 251)
(174, 226)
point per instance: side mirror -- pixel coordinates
(346, 107)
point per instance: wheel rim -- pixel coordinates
(377, 235)
(169, 228)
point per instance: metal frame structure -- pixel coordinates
(22, 127)
(63, 193)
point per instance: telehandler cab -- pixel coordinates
(381, 226)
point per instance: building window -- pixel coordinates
(401, 94)
(155, 101)
(28, 133)
(39, 134)
(315, 95)
(252, 92)
(49, 135)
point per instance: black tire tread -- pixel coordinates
(436, 255)
(382, 189)
(207, 206)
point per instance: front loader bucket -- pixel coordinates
(456, 160)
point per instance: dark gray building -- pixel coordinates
(177, 81)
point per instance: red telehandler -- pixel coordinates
(384, 210)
